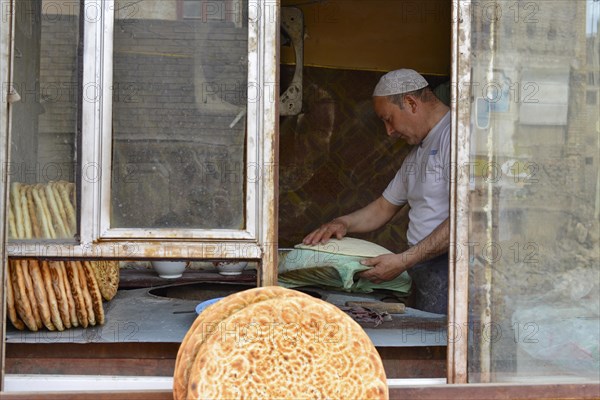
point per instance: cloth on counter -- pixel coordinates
(327, 267)
(361, 314)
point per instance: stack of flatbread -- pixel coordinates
(277, 343)
(42, 211)
(59, 295)
(334, 266)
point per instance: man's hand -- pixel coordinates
(385, 267)
(322, 234)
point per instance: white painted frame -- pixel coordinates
(97, 238)
(97, 145)
(458, 277)
(6, 61)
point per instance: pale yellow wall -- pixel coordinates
(376, 34)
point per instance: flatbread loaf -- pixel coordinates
(35, 225)
(69, 294)
(208, 320)
(87, 299)
(24, 268)
(22, 304)
(60, 291)
(39, 290)
(15, 197)
(107, 276)
(92, 285)
(12, 224)
(64, 188)
(288, 348)
(10, 303)
(52, 300)
(349, 247)
(40, 197)
(73, 278)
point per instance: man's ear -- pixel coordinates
(410, 102)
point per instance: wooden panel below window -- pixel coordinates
(158, 359)
(441, 392)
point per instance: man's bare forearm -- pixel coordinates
(370, 217)
(367, 219)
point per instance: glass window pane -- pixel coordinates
(179, 104)
(535, 199)
(191, 9)
(44, 121)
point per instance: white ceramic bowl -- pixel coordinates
(230, 267)
(169, 269)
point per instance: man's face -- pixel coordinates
(399, 122)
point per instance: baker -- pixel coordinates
(410, 111)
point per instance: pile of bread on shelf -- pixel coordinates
(42, 210)
(59, 295)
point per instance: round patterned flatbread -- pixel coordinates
(287, 348)
(208, 320)
(107, 276)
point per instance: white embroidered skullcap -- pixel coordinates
(398, 82)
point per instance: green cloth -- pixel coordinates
(302, 267)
